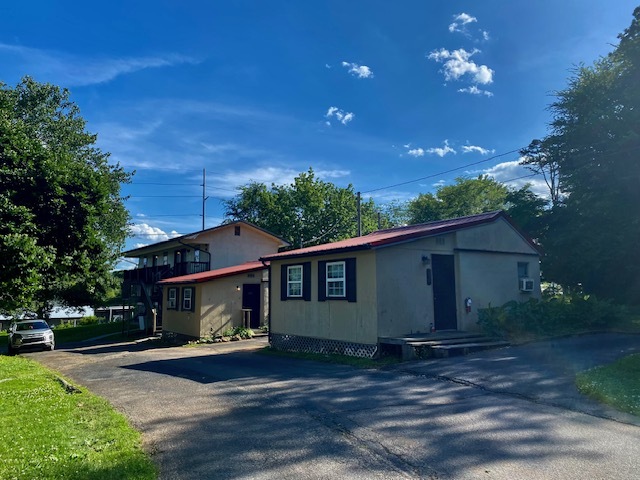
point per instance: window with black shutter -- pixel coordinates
(295, 282)
(337, 280)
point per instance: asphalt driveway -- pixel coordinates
(224, 411)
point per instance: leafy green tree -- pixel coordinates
(529, 212)
(541, 157)
(392, 214)
(594, 231)
(63, 221)
(426, 207)
(307, 212)
(471, 196)
(467, 196)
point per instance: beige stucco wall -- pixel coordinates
(332, 319)
(393, 296)
(228, 249)
(490, 279)
(225, 246)
(178, 321)
(405, 301)
(218, 306)
(496, 236)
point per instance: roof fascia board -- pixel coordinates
(169, 281)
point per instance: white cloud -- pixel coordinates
(73, 70)
(459, 22)
(154, 234)
(231, 179)
(441, 151)
(342, 116)
(476, 149)
(485, 35)
(511, 172)
(360, 71)
(473, 90)
(416, 152)
(458, 63)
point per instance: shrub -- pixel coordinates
(243, 332)
(63, 325)
(554, 316)
(89, 320)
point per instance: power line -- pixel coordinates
(164, 196)
(169, 215)
(163, 184)
(446, 171)
(520, 178)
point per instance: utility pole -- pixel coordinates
(204, 197)
(359, 216)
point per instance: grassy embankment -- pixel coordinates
(49, 430)
(616, 384)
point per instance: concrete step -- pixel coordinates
(449, 341)
(428, 337)
(441, 351)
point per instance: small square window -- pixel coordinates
(236, 231)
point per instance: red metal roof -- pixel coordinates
(213, 274)
(397, 235)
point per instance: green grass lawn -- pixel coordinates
(616, 384)
(82, 332)
(85, 332)
(50, 433)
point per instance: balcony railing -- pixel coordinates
(151, 275)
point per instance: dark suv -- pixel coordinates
(30, 333)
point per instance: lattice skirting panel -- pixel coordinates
(294, 343)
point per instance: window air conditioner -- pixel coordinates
(526, 284)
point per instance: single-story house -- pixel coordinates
(344, 296)
(208, 303)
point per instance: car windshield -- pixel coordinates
(31, 326)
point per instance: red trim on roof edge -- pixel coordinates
(215, 274)
(392, 236)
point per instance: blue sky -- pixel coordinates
(370, 93)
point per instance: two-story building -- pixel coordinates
(211, 249)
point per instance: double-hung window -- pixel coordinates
(187, 298)
(294, 281)
(172, 299)
(336, 280)
(523, 269)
